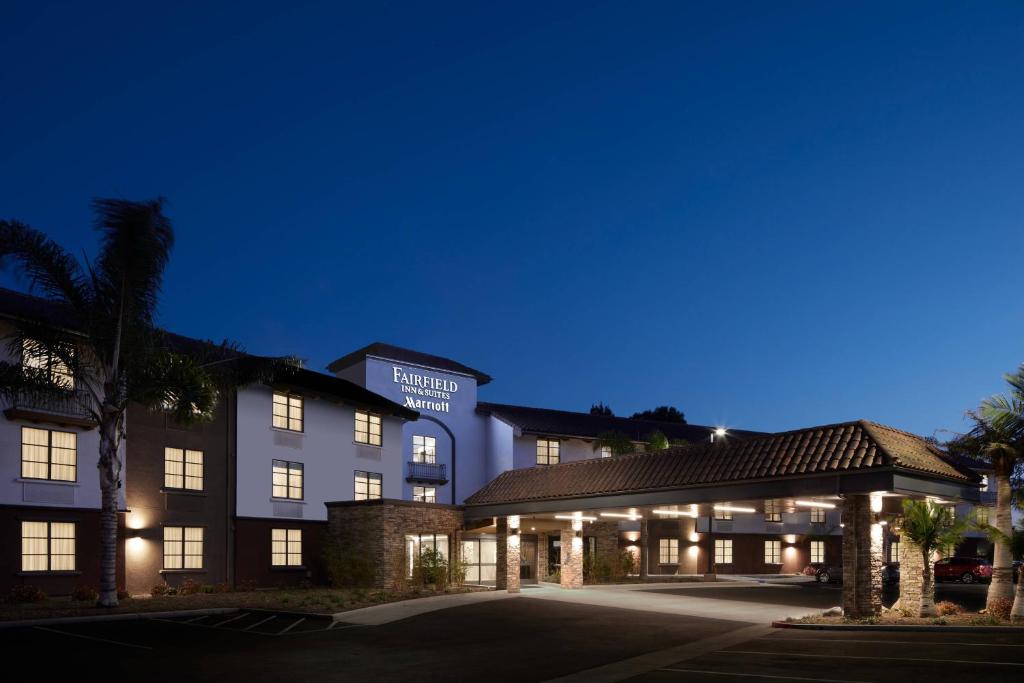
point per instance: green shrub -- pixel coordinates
(430, 567)
(84, 593)
(347, 567)
(208, 588)
(26, 593)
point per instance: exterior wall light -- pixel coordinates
(815, 504)
(694, 537)
(583, 518)
(623, 515)
(675, 513)
(734, 508)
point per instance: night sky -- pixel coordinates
(771, 215)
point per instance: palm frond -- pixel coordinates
(46, 264)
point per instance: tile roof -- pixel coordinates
(584, 425)
(839, 448)
(392, 352)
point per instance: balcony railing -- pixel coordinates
(431, 472)
(60, 407)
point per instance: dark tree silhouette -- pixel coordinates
(662, 414)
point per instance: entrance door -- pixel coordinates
(528, 560)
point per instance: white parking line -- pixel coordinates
(890, 642)
(786, 678)
(273, 616)
(291, 626)
(892, 659)
(230, 619)
(85, 637)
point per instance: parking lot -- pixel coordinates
(517, 639)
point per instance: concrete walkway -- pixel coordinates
(640, 597)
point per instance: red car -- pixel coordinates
(963, 569)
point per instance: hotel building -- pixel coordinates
(392, 451)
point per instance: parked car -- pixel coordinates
(824, 573)
(964, 570)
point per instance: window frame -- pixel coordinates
(288, 417)
(184, 475)
(423, 497)
(53, 366)
(289, 467)
(772, 511)
(49, 554)
(288, 551)
(894, 545)
(723, 549)
(817, 545)
(606, 451)
(49, 455)
(773, 552)
(368, 419)
(818, 515)
(369, 478)
(723, 515)
(428, 455)
(668, 548)
(551, 451)
(184, 542)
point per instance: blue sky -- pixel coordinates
(771, 215)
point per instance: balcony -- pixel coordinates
(427, 472)
(64, 408)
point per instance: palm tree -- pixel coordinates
(998, 436)
(930, 526)
(108, 342)
(1015, 543)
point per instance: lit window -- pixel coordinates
(183, 547)
(772, 511)
(984, 482)
(46, 454)
(286, 547)
(368, 485)
(606, 451)
(183, 469)
(547, 451)
(424, 494)
(982, 515)
(723, 514)
(417, 544)
(368, 428)
(480, 558)
(668, 551)
(817, 516)
(723, 551)
(47, 546)
(817, 551)
(40, 360)
(287, 411)
(948, 550)
(287, 480)
(894, 550)
(424, 449)
(773, 552)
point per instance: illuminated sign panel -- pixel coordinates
(424, 392)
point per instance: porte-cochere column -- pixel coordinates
(572, 555)
(507, 577)
(862, 556)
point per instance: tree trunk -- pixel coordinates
(109, 486)
(1002, 565)
(1017, 613)
(927, 607)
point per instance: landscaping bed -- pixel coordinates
(311, 600)
(887, 619)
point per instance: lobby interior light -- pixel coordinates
(815, 504)
(573, 518)
(734, 508)
(675, 513)
(622, 515)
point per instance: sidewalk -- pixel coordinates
(394, 611)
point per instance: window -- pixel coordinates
(668, 551)
(723, 551)
(480, 558)
(416, 544)
(817, 551)
(183, 469)
(772, 511)
(39, 359)
(368, 428)
(817, 516)
(424, 449)
(183, 547)
(773, 552)
(723, 514)
(894, 550)
(287, 480)
(286, 547)
(287, 411)
(46, 454)
(547, 451)
(606, 451)
(984, 482)
(424, 494)
(982, 515)
(948, 550)
(368, 485)
(47, 546)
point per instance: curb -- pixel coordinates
(899, 627)
(129, 616)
